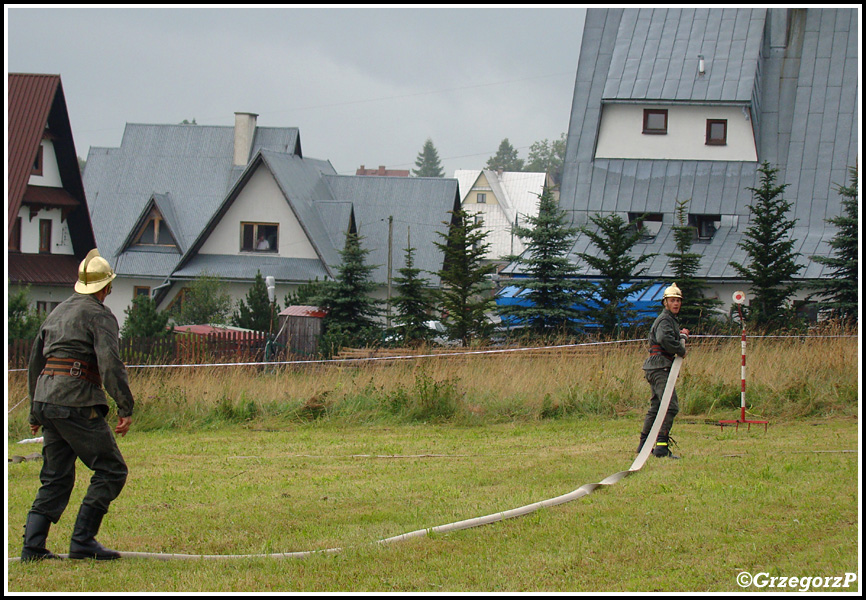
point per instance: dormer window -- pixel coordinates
(648, 224)
(155, 232)
(705, 226)
(655, 121)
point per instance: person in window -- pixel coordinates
(263, 244)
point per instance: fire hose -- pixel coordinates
(580, 492)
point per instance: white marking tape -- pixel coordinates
(580, 492)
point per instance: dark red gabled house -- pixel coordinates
(48, 227)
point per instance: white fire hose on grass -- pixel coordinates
(580, 492)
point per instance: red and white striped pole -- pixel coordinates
(739, 299)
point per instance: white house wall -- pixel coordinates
(620, 134)
(260, 201)
(61, 242)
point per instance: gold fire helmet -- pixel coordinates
(94, 273)
(672, 292)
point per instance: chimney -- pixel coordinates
(245, 131)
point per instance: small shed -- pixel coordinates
(300, 329)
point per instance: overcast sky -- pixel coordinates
(364, 85)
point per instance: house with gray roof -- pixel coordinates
(174, 202)
(675, 104)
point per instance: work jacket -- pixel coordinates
(84, 329)
(665, 342)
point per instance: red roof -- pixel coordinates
(303, 311)
(36, 103)
(30, 100)
(43, 269)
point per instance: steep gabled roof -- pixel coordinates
(800, 83)
(192, 162)
(419, 206)
(36, 102)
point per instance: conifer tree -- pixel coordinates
(465, 295)
(505, 158)
(841, 288)
(685, 264)
(607, 305)
(413, 302)
(143, 320)
(551, 285)
(351, 310)
(24, 322)
(257, 312)
(769, 246)
(205, 301)
(427, 162)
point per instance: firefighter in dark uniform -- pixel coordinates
(666, 340)
(74, 355)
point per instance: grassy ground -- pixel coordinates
(737, 501)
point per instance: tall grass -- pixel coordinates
(786, 378)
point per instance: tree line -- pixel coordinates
(559, 302)
(545, 156)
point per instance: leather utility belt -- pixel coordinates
(656, 350)
(72, 367)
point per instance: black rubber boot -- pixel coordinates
(84, 544)
(662, 448)
(35, 534)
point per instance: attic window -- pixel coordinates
(717, 132)
(37, 162)
(155, 232)
(648, 224)
(705, 226)
(655, 121)
(259, 237)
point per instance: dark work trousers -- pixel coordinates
(69, 433)
(658, 380)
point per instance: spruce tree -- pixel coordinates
(205, 301)
(841, 288)
(505, 158)
(465, 295)
(769, 246)
(351, 310)
(24, 322)
(413, 302)
(607, 305)
(696, 308)
(551, 284)
(143, 320)
(257, 312)
(427, 162)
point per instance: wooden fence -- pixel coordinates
(222, 347)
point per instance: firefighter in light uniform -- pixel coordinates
(666, 340)
(75, 353)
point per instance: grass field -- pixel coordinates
(270, 463)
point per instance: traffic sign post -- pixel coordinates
(739, 299)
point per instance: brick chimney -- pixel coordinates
(245, 131)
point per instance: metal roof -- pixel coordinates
(419, 207)
(800, 83)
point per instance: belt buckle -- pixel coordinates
(75, 369)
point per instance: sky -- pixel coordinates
(365, 85)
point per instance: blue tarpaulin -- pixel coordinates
(647, 303)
